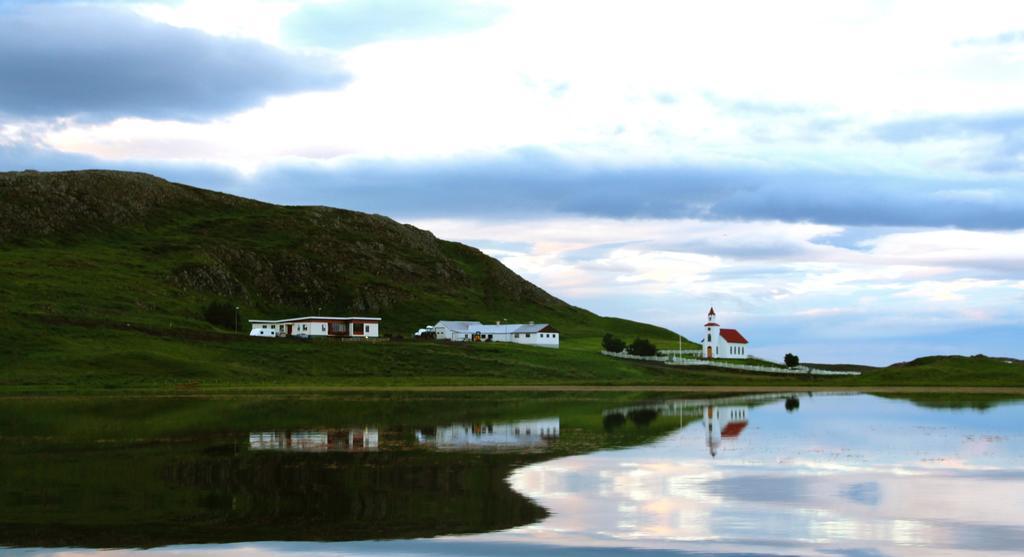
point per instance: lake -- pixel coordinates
(564, 474)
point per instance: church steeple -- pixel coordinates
(711, 318)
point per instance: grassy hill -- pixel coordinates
(104, 278)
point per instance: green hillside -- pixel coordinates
(105, 276)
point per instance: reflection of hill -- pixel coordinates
(955, 401)
(144, 497)
(143, 473)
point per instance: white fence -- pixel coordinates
(627, 356)
(681, 361)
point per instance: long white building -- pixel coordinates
(317, 326)
(538, 334)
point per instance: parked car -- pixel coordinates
(425, 332)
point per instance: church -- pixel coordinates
(721, 343)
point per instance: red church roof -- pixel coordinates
(711, 324)
(733, 429)
(733, 336)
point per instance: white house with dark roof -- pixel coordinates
(537, 334)
(721, 343)
(317, 326)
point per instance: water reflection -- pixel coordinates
(845, 475)
(509, 435)
(850, 475)
(723, 422)
(347, 440)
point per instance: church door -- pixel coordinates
(709, 352)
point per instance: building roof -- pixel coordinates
(712, 312)
(314, 318)
(478, 327)
(733, 336)
(711, 324)
(733, 429)
(458, 325)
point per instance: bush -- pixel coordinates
(642, 347)
(611, 343)
(221, 314)
(613, 421)
(792, 360)
(642, 417)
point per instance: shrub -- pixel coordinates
(611, 343)
(642, 417)
(221, 314)
(642, 347)
(613, 421)
(792, 360)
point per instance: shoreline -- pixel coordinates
(341, 390)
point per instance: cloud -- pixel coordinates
(1005, 38)
(533, 183)
(355, 22)
(104, 63)
(1003, 134)
(537, 182)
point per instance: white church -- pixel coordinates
(721, 343)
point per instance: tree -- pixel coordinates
(642, 347)
(611, 343)
(642, 417)
(792, 404)
(613, 421)
(792, 360)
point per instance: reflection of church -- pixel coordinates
(724, 422)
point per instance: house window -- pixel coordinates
(323, 327)
(527, 335)
(357, 328)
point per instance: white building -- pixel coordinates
(523, 434)
(538, 334)
(346, 440)
(721, 343)
(314, 326)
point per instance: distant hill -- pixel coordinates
(83, 254)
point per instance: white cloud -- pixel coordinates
(593, 87)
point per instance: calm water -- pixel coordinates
(492, 474)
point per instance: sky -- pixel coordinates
(839, 180)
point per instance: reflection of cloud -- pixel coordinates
(906, 489)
